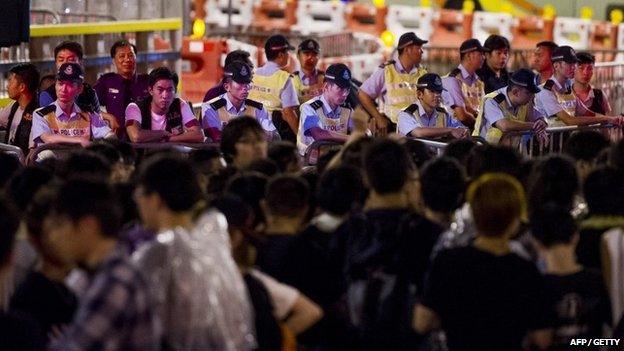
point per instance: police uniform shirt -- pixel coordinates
(288, 95)
(311, 79)
(98, 128)
(159, 122)
(310, 119)
(546, 101)
(408, 122)
(492, 112)
(17, 118)
(211, 117)
(115, 92)
(453, 96)
(375, 85)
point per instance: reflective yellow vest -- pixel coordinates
(473, 94)
(337, 125)
(414, 111)
(493, 135)
(267, 89)
(400, 89)
(78, 126)
(307, 92)
(566, 99)
(220, 106)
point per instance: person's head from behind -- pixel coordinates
(493, 159)
(418, 152)
(498, 203)
(167, 186)
(554, 226)
(553, 179)
(25, 184)
(340, 190)
(243, 141)
(585, 147)
(9, 165)
(68, 51)
(585, 68)
(285, 155)
(240, 217)
(286, 199)
(460, 150)
(277, 49)
(124, 54)
(616, 155)
(85, 164)
(251, 188)
(604, 192)
(542, 56)
(85, 213)
(443, 182)
(497, 52)
(387, 166)
(113, 157)
(162, 85)
(353, 153)
(23, 81)
(8, 228)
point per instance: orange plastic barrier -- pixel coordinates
(530, 31)
(275, 15)
(205, 58)
(366, 18)
(451, 28)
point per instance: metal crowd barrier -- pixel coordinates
(319, 148)
(529, 145)
(437, 147)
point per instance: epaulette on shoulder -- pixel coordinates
(387, 63)
(217, 103)
(316, 104)
(253, 103)
(441, 109)
(45, 110)
(549, 84)
(295, 73)
(499, 98)
(321, 72)
(411, 108)
(455, 72)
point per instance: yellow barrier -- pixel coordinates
(66, 29)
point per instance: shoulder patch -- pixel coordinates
(45, 110)
(387, 63)
(499, 98)
(254, 104)
(455, 72)
(295, 73)
(316, 104)
(411, 109)
(441, 109)
(549, 84)
(215, 105)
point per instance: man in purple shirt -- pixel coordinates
(117, 90)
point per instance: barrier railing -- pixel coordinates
(437, 147)
(13, 150)
(529, 145)
(319, 148)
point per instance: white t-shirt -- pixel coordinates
(159, 122)
(283, 296)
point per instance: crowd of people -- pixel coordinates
(381, 245)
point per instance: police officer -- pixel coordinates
(116, 90)
(17, 116)
(327, 117)
(426, 118)
(234, 103)
(63, 121)
(464, 89)
(395, 81)
(218, 89)
(162, 117)
(556, 101)
(309, 80)
(510, 108)
(494, 73)
(274, 88)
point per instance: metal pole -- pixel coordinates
(229, 32)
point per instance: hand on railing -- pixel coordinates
(539, 130)
(460, 133)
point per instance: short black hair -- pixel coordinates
(353, 153)
(552, 224)
(173, 179)
(339, 189)
(496, 42)
(9, 165)
(238, 55)
(604, 191)
(79, 198)
(249, 186)
(265, 166)
(460, 149)
(287, 195)
(283, 153)
(553, 179)
(272, 54)
(28, 74)
(547, 44)
(616, 155)
(106, 150)
(493, 159)
(24, 185)
(585, 145)
(419, 152)
(40, 207)
(235, 130)
(120, 44)
(387, 165)
(72, 46)
(585, 57)
(8, 229)
(201, 159)
(162, 73)
(443, 181)
(85, 163)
